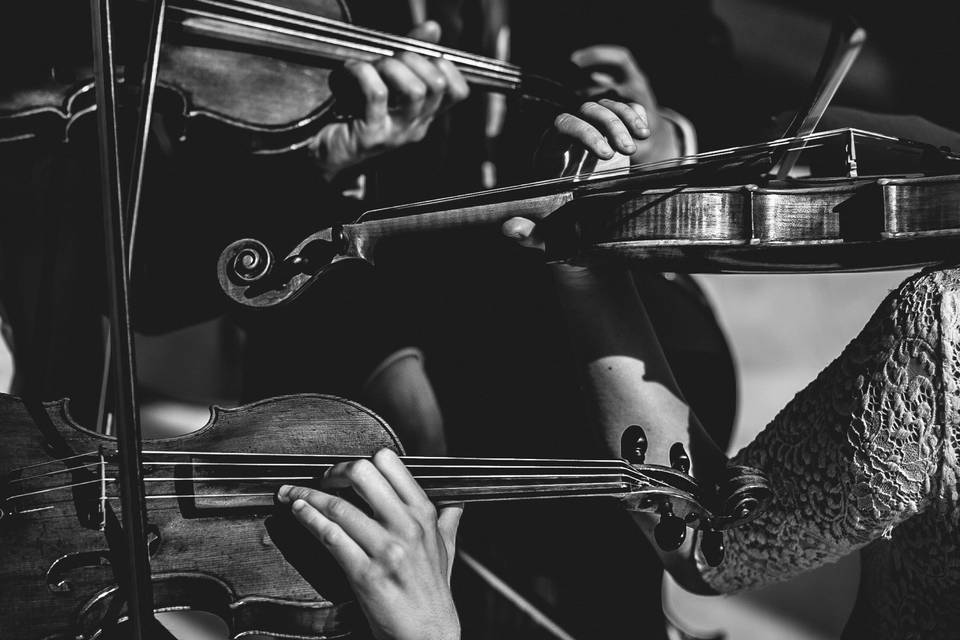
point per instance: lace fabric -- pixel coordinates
(866, 456)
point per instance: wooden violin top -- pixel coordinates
(884, 203)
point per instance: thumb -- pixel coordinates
(523, 232)
(447, 523)
(428, 31)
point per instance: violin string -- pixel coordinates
(491, 63)
(72, 485)
(411, 465)
(515, 492)
(544, 468)
(420, 478)
(84, 467)
(545, 471)
(254, 7)
(365, 44)
(56, 461)
(613, 477)
(462, 491)
(690, 161)
(554, 468)
(405, 458)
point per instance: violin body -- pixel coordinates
(855, 224)
(218, 543)
(250, 75)
(689, 215)
(215, 555)
(208, 87)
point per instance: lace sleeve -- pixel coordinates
(868, 444)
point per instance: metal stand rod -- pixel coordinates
(137, 563)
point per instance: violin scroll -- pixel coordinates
(249, 273)
(250, 260)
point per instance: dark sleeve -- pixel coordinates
(682, 46)
(688, 56)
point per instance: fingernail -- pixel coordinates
(606, 150)
(298, 505)
(283, 491)
(643, 132)
(628, 145)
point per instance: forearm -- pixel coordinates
(860, 449)
(627, 381)
(625, 375)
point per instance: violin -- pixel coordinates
(714, 212)
(218, 543)
(251, 74)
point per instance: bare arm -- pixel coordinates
(627, 381)
(852, 456)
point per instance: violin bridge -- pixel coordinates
(102, 501)
(851, 149)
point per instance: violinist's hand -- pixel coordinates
(611, 67)
(523, 232)
(398, 98)
(605, 127)
(398, 561)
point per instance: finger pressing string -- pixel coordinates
(390, 465)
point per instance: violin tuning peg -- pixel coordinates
(679, 459)
(633, 444)
(711, 545)
(670, 532)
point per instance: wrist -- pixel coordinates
(333, 153)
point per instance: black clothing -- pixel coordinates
(496, 349)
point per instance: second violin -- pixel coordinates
(249, 73)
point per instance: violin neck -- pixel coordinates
(450, 214)
(444, 479)
(501, 482)
(275, 29)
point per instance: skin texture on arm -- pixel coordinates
(397, 560)
(853, 456)
(868, 455)
(400, 391)
(626, 379)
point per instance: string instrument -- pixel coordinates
(715, 212)
(216, 541)
(250, 73)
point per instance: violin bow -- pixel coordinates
(843, 47)
(131, 563)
